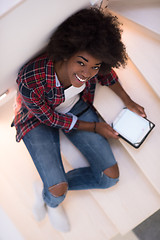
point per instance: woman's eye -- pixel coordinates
(96, 68)
(81, 63)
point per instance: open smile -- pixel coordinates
(80, 79)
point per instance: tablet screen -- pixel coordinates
(131, 126)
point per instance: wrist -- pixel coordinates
(126, 99)
(87, 126)
(128, 102)
(94, 129)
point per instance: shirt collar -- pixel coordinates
(57, 81)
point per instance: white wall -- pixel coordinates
(26, 29)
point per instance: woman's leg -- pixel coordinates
(103, 171)
(43, 145)
(44, 148)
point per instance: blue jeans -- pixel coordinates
(43, 145)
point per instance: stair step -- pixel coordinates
(86, 215)
(145, 13)
(124, 204)
(15, 207)
(148, 155)
(87, 218)
(144, 50)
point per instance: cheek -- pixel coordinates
(94, 73)
(72, 68)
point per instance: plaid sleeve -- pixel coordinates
(108, 79)
(35, 103)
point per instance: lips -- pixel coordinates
(80, 79)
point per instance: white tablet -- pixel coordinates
(132, 127)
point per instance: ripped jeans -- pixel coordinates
(43, 145)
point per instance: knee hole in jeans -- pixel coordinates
(112, 172)
(59, 189)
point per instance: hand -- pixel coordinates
(134, 107)
(106, 130)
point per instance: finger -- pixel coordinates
(114, 134)
(113, 131)
(142, 112)
(143, 115)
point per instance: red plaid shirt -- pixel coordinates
(39, 95)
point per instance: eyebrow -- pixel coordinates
(87, 60)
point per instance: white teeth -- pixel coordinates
(81, 80)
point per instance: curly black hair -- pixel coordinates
(93, 31)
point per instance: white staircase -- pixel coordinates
(98, 214)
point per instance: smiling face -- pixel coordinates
(79, 69)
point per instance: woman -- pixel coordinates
(56, 91)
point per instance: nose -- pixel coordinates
(86, 73)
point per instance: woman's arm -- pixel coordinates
(104, 129)
(37, 106)
(101, 128)
(111, 80)
(129, 103)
